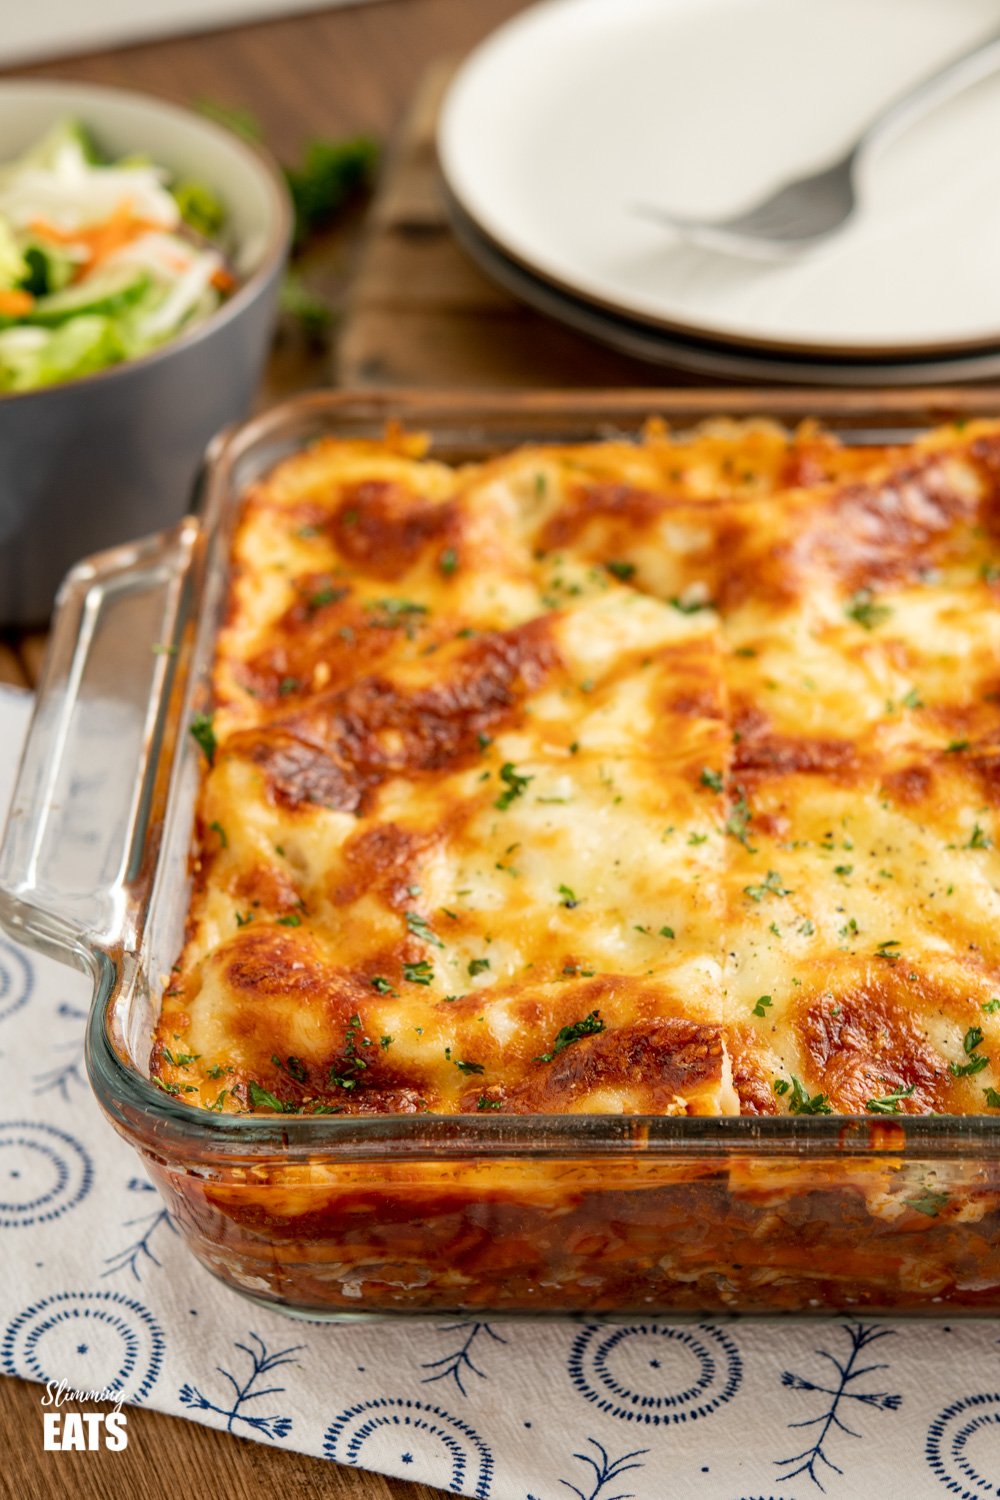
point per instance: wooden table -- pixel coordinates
(319, 75)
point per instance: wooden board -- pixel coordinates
(420, 313)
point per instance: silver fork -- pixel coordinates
(806, 211)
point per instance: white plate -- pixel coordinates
(578, 109)
(723, 361)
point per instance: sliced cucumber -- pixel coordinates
(108, 293)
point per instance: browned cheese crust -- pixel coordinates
(656, 778)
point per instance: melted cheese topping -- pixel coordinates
(617, 778)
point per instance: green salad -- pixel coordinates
(100, 261)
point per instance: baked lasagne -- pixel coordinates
(655, 778)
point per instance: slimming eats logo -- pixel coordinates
(82, 1429)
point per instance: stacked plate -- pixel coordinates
(577, 112)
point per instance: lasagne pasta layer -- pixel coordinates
(647, 778)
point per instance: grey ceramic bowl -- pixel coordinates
(114, 455)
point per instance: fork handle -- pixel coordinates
(960, 73)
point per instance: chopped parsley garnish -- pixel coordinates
(385, 1042)
(483, 1103)
(418, 973)
(690, 606)
(182, 1060)
(243, 919)
(288, 685)
(469, 1067)
(979, 839)
(884, 950)
(261, 1098)
(761, 1007)
(324, 596)
(381, 985)
(992, 1098)
(697, 838)
(711, 779)
(396, 607)
(977, 1060)
(223, 836)
(800, 1102)
(888, 1104)
(448, 561)
(955, 747)
(991, 1006)
(291, 920)
(569, 898)
(850, 928)
(217, 1106)
(293, 1066)
(739, 821)
(516, 786)
(862, 608)
(478, 966)
(203, 732)
(770, 886)
(843, 870)
(340, 1080)
(591, 1025)
(912, 699)
(623, 571)
(417, 925)
(929, 1202)
(667, 932)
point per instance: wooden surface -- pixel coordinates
(327, 74)
(419, 312)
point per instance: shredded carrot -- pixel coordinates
(15, 304)
(223, 280)
(100, 239)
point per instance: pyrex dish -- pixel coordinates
(102, 458)
(338, 1216)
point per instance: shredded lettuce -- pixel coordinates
(96, 263)
(13, 266)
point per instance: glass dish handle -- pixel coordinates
(72, 862)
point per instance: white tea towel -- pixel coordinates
(98, 1290)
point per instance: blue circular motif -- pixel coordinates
(620, 1371)
(92, 1340)
(414, 1434)
(963, 1442)
(43, 1173)
(17, 979)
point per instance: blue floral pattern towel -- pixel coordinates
(99, 1291)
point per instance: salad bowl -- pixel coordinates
(112, 447)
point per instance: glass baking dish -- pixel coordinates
(338, 1217)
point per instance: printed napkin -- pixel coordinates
(99, 1291)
